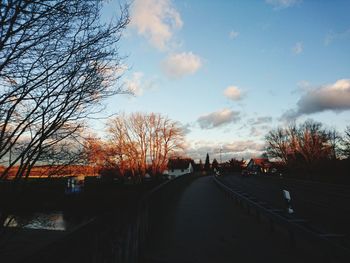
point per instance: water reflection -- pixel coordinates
(49, 221)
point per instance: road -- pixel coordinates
(202, 225)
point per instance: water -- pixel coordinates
(57, 220)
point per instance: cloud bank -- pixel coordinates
(334, 97)
(238, 149)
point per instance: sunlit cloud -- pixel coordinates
(218, 118)
(281, 4)
(156, 20)
(181, 64)
(298, 48)
(334, 97)
(233, 93)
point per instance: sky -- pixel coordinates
(229, 71)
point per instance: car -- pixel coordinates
(252, 172)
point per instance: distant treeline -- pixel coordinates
(309, 150)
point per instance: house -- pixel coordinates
(179, 166)
(259, 166)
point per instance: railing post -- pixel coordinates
(288, 199)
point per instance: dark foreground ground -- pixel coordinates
(191, 220)
(201, 225)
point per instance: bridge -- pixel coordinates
(203, 225)
(202, 219)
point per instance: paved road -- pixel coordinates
(204, 226)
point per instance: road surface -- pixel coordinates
(204, 226)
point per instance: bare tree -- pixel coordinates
(345, 143)
(278, 144)
(308, 149)
(143, 141)
(94, 152)
(313, 143)
(308, 143)
(125, 150)
(57, 62)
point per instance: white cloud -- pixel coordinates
(156, 20)
(298, 48)
(233, 34)
(137, 84)
(218, 118)
(233, 93)
(334, 97)
(281, 4)
(181, 64)
(133, 85)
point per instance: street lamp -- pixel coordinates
(220, 156)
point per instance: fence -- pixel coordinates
(296, 227)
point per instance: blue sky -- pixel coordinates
(231, 70)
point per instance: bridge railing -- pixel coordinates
(296, 227)
(149, 207)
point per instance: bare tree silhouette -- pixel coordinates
(57, 62)
(306, 145)
(345, 150)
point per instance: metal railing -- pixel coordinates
(295, 226)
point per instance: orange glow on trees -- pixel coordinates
(144, 141)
